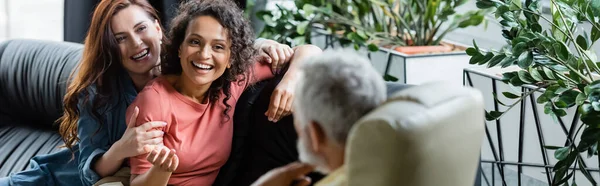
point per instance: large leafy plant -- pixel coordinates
(397, 22)
(559, 60)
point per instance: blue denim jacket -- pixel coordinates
(58, 168)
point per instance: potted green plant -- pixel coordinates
(558, 60)
(407, 36)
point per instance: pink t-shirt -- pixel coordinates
(199, 133)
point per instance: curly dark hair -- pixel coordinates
(240, 35)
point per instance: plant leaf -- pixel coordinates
(507, 61)
(596, 105)
(473, 52)
(486, 58)
(562, 153)
(585, 172)
(561, 51)
(542, 99)
(580, 98)
(525, 77)
(560, 104)
(569, 97)
(391, 78)
(582, 42)
(549, 73)
(495, 60)
(484, 4)
(510, 95)
(525, 60)
(301, 27)
(550, 147)
(595, 34)
(492, 115)
(373, 47)
(559, 112)
(536, 75)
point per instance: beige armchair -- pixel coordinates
(427, 135)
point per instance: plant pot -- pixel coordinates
(423, 49)
(424, 66)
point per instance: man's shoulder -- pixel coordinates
(339, 177)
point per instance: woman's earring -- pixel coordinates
(160, 42)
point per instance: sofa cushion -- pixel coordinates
(19, 144)
(33, 77)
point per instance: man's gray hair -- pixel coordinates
(336, 89)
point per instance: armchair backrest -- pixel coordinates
(422, 136)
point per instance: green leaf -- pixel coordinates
(510, 95)
(585, 172)
(536, 75)
(301, 27)
(595, 34)
(549, 147)
(582, 42)
(525, 77)
(472, 21)
(473, 52)
(475, 45)
(562, 153)
(561, 83)
(391, 78)
(495, 60)
(549, 74)
(486, 58)
(492, 115)
(484, 4)
(580, 98)
(309, 9)
(595, 5)
(508, 61)
(559, 112)
(516, 5)
(373, 47)
(561, 51)
(525, 60)
(560, 104)
(516, 81)
(569, 97)
(519, 48)
(536, 27)
(476, 59)
(542, 99)
(501, 10)
(596, 106)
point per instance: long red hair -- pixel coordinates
(100, 65)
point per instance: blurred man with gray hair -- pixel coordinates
(336, 89)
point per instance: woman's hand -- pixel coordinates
(281, 101)
(135, 138)
(275, 53)
(163, 158)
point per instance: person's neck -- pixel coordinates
(188, 88)
(335, 157)
(140, 80)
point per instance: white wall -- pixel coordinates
(33, 19)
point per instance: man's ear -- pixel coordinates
(317, 136)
